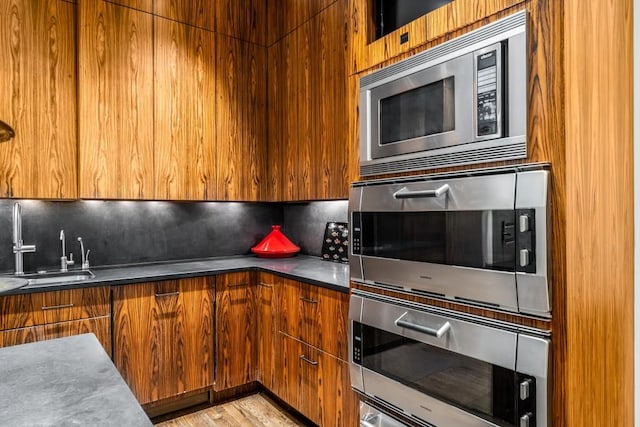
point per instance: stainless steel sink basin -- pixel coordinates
(58, 277)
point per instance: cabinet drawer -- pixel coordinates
(21, 311)
(100, 326)
(317, 384)
(315, 315)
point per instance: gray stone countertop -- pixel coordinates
(305, 268)
(64, 381)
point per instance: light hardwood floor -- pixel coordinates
(255, 410)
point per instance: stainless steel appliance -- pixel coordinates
(443, 368)
(478, 237)
(461, 102)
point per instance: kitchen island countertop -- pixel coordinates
(65, 381)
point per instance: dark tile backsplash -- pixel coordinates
(304, 223)
(122, 232)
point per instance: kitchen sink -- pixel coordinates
(58, 277)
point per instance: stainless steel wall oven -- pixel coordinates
(444, 368)
(477, 237)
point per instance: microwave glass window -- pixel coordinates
(477, 239)
(479, 387)
(423, 111)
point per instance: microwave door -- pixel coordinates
(429, 109)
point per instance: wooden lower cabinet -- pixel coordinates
(316, 384)
(42, 316)
(163, 337)
(268, 294)
(236, 332)
(99, 326)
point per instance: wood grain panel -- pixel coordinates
(199, 13)
(241, 115)
(99, 326)
(144, 5)
(236, 330)
(289, 141)
(184, 88)
(277, 84)
(268, 293)
(115, 97)
(599, 208)
(338, 404)
(284, 16)
(366, 52)
(20, 311)
(163, 337)
(39, 99)
(497, 315)
(245, 20)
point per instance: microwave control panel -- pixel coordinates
(488, 94)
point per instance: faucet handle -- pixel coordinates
(85, 263)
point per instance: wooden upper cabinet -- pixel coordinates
(184, 88)
(38, 87)
(241, 118)
(366, 52)
(199, 13)
(307, 101)
(115, 102)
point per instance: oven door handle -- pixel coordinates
(403, 193)
(437, 333)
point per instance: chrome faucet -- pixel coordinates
(85, 256)
(64, 262)
(18, 246)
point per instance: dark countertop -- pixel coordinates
(305, 268)
(65, 381)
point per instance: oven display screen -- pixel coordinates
(475, 386)
(476, 239)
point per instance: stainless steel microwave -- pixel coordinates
(461, 102)
(479, 237)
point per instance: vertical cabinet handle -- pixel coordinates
(309, 361)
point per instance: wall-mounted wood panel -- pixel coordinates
(184, 87)
(245, 20)
(39, 99)
(599, 359)
(144, 5)
(284, 16)
(115, 98)
(241, 117)
(199, 13)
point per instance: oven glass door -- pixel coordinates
(475, 386)
(478, 239)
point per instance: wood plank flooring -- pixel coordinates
(257, 410)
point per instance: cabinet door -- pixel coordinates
(163, 335)
(268, 348)
(115, 95)
(241, 117)
(236, 332)
(184, 105)
(38, 87)
(99, 326)
(337, 403)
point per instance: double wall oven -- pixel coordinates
(476, 238)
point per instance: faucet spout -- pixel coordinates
(19, 248)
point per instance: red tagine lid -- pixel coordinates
(275, 245)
